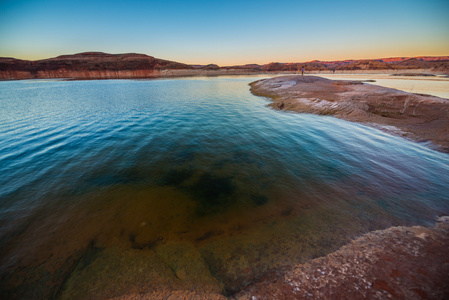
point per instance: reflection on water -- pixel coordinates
(430, 85)
(119, 187)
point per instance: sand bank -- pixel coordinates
(420, 117)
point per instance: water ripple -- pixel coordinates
(162, 166)
(88, 135)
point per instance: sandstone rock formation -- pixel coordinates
(420, 117)
(432, 64)
(396, 263)
(88, 65)
(208, 67)
(98, 65)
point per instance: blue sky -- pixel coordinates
(226, 32)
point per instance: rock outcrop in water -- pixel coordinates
(88, 65)
(420, 117)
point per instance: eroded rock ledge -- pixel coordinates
(396, 263)
(417, 116)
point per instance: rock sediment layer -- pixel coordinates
(417, 116)
(88, 65)
(99, 65)
(396, 263)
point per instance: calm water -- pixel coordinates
(116, 187)
(432, 85)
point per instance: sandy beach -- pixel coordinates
(420, 117)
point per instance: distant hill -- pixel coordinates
(99, 65)
(440, 64)
(88, 65)
(245, 67)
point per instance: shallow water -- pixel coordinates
(123, 186)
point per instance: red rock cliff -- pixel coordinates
(88, 65)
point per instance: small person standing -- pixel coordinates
(302, 70)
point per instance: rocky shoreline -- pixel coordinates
(420, 117)
(395, 263)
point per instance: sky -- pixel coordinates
(226, 32)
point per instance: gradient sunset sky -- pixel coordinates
(226, 32)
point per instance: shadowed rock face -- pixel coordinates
(88, 65)
(421, 117)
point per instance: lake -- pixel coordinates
(437, 85)
(116, 187)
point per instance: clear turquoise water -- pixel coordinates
(94, 171)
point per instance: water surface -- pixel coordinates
(124, 186)
(432, 85)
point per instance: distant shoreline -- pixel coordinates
(99, 65)
(92, 75)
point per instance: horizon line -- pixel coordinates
(230, 65)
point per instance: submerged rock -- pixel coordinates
(396, 263)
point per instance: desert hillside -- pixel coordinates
(99, 65)
(87, 65)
